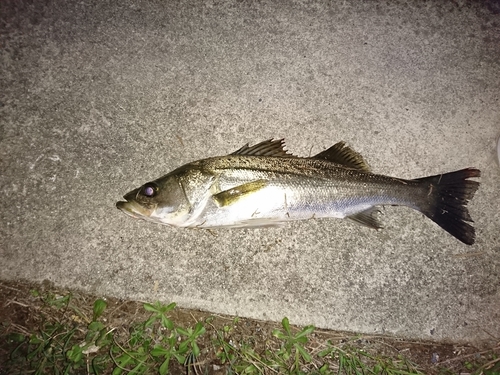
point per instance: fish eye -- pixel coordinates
(149, 190)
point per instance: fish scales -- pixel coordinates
(316, 181)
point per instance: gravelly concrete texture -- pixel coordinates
(98, 97)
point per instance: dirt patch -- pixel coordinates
(24, 308)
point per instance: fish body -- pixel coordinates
(264, 185)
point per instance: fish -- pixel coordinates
(265, 185)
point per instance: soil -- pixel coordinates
(22, 312)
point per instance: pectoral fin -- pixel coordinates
(230, 196)
(368, 218)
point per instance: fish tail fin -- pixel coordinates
(449, 194)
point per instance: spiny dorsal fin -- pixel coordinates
(267, 148)
(342, 154)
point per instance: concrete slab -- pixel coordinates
(99, 97)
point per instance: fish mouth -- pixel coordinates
(132, 208)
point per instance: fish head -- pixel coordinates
(161, 201)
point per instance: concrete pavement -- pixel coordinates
(99, 97)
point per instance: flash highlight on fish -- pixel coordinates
(265, 185)
(498, 150)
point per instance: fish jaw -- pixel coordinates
(135, 210)
(131, 207)
(154, 215)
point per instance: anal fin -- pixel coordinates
(368, 218)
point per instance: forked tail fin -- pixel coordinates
(450, 193)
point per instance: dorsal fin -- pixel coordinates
(340, 153)
(267, 148)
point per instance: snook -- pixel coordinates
(263, 185)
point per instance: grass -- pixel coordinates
(49, 332)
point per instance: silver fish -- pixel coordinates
(264, 185)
